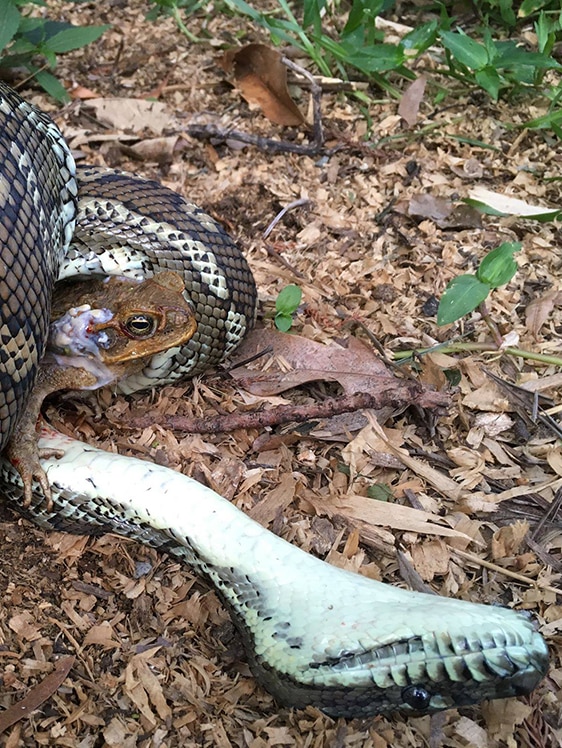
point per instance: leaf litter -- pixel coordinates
(157, 660)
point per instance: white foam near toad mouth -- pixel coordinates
(73, 344)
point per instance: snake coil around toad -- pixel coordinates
(314, 634)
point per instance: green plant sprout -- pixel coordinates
(465, 292)
(286, 305)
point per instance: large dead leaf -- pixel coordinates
(261, 78)
(366, 513)
(135, 115)
(296, 360)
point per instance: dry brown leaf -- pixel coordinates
(149, 683)
(261, 78)
(81, 92)
(135, 115)
(411, 99)
(364, 512)
(24, 626)
(297, 360)
(430, 206)
(266, 510)
(507, 540)
(471, 731)
(554, 458)
(443, 213)
(69, 548)
(161, 150)
(101, 634)
(540, 309)
(430, 559)
(116, 735)
(502, 714)
(442, 483)
(488, 397)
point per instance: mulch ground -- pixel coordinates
(158, 662)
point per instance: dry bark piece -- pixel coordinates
(37, 695)
(261, 78)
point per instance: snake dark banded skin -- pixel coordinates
(314, 634)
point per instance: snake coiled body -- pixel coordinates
(314, 634)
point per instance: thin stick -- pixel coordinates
(286, 209)
(396, 393)
(505, 572)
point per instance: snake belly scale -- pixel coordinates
(314, 634)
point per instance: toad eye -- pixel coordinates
(140, 325)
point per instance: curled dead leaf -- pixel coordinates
(540, 309)
(412, 97)
(261, 78)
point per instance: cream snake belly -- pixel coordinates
(313, 634)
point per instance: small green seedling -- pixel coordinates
(465, 292)
(286, 305)
(380, 492)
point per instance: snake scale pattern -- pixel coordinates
(314, 634)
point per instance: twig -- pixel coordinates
(486, 347)
(209, 131)
(272, 252)
(283, 211)
(313, 148)
(526, 401)
(550, 514)
(505, 572)
(316, 93)
(397, 394)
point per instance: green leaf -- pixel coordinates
(9, 22)
(462, 296)
(499, 267)
(283, 321)
(512, 56)
(28, 27)
(52, 86)
(313, 10)
(378, 58)
(380, 492)
(420, 38)
(489, 44)
(465, 50)
(545, 32)
(528, 7)
(288, 300)
(489, 80)
(453, 376)
(74, 38)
